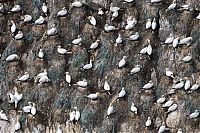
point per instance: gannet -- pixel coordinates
(113, 8)
(100, 11)
(40, 75)
(119, 39)
(195, 86)
(13, 27)
(68, 78)
(179, 85)
(110, 110)
(72, 115)
(148, 122)
(16, 8)
(168, 103)
(41, 54)
(110, 28)
(148, 24)
(143, 51)
(88, 66)
(148, 85)
(187, 58)
(122, 93)
(136, 69)
(77, 40)
(19, 35)
(27, 18)
(40, 20)
(198, 17)
(170, 39)
(169, 73)
(154, 24)
(62, 12)
(93, 96)
(149, 48)
(194, 114)
(134, 37)
(122, 62)
(44, 8)
(106, 85)
(128, 1)
(82, 83)
(175, 42)
(114, 15)
(161, 100)
(95, 44)
(179, 130)
(92, 20)
(27, 108)
(130, 23)
(172, 6)
(12, 57)
(162, 128)
(62, 50)
(172, 108)
(59, 130)
(77, 114)
(76, 4)
(52, 31)
(186, 40)
(15, 98)
(187, 84)
(155, 1)
(33, 109)
(186, 7)
(17, 125)
(1, 7)
(133, 108)
(25, 77)
(44, 79)
(3, 116)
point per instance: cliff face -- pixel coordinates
(56, 99)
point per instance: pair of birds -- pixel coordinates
(30, 108)
(150, 24)
(15, 98)
(147, 50)
(74, 115)
(42, 77)
(175, 40)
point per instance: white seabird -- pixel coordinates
(25, 77)
(134, 37)
(179, 85)
(168, 103)
(15, 98)
(122, 93)
(17, 125)
(44, 79)
(161, 100)
(62, 50)
(187, 7)
(109, 28)
(88, 66)
(148, 85)
(44, 73)
(3, 116)
(19, 35)
(76, 4)
(162, 128)
(155, 1)
(187, 84)
(122, 62)
(187, 58)
(110, 110)
(179, 130)
(172, 6)
(169, 73)
(40, 20)
(13, 27)
(136, 69)
(1, 7)
(33, 109)
(16, 8)
(148, 122)
(27, 18)
(77, 40)
(154, 24)
(52, 31)
(114, 15)
(92, 20)
(106, 86)
(44, 8)
(68, 78)
(148, 24)
(195, 86)
(72, 115)
(131, 22)
(93, 96)
(95, 44)
(12, 57)
(119, 39)
(59, 130)
(62, 12)
(100, 12)
(186, 40)
(82, 83)
(198, 17)
(27, 108)
(170, 39)
(41, 54)
(175, 42)
(149, 48)
(194, 114)
(134, 108)
(77, 114)
(128, 1)
(172, 108)
(113, 8)
(143, 51)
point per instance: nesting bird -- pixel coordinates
(122, 93)
(110, 110)
(40, 20)
(154, 24)
(53, 31)
(17, 125)
(100, 12)
(109, 28)
(59, 130)
(148, 85)
(187, 84)
(186, 40)
(170, 39)
(161, 100)
(134, 37)
(106, 86)
(119, 39)
(131, 22)
(168, 103)
(134, 108)
(194, 114)
(40, 75)
(62, 12)
(162, 128)
(62, 50)
(3, 116)
(77, 4)
(19, 35)
(24, 78)
(77, 40)
(88, 66)
(149, 48)
(68, 78)
(27, 18)
(171, 6)
(169, 73)
(83, 83)
(122, 62)
(12, 57)
(15, 98)
(175, 42)
(16, 8)
(179, 85)
(93, 96)
(95, 44)
(148, 122)
(148, 24)
(44, 8)
(41, 54)
(136, 69)
(187, 58)
(172, 108)
(13, 28)
(92, 20)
